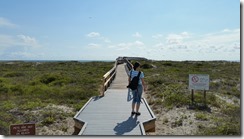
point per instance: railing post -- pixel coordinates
(103, 88)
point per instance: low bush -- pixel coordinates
(27, 86)
(13, 74)
(201, 116)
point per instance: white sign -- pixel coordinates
(198, 81)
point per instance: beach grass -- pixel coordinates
(168, 89)
(31, 86)
(29, 89)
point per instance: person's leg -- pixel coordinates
(138, 102)
(133, 102)
(137, 107)
(133, 107)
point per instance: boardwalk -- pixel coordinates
(111, 114)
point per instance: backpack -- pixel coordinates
(134, 82)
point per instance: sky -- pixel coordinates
(106, 29)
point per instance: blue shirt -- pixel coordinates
(134, 73)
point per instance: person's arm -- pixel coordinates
(144, 85)
(129, 79)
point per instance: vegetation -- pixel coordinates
(168, 88)
(31, 86)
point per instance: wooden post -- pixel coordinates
(104, 88)
(192, 96)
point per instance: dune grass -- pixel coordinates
(27, 86)
(30, 86)
(168, 88)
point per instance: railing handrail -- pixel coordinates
(108, 77)
(129, 65)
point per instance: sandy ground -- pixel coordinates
(182, 120)
(177, 121)
(62, 125)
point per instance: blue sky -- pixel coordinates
(106, 29)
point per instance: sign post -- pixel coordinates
(23, 129)
(204, 93)
(192, 96)
(198, 82)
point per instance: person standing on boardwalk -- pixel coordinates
(138, 92)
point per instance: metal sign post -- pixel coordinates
(192, 96)
(204, 96)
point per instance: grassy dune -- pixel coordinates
(51, 92)
(168, 92)
(27, 88)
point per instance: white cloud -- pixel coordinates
(123, 46)
(6, 41)
(138, 43)
(29, 41)
(22, 55)
(137, 35)
(93, 35)
(177, 39)
(94, 45)
(236, 46)
(174, 39)
(185, 34)
(159, 46)
(19, 40)
(98, 36)
(106, 40)
(19, 47)
(6, 23)
(224, 42)
(157, 36)
(226, 30)
(127, 46)
(222, 38)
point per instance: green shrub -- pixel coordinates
(212, 100)
(32, 104)
(231, 110)
(3, 80)
(4, 88)
(201, 116)
(167, 64)
(176, 123)
(48, 121)
(79, 105)
(17, 89)
(223, 129)
(48, 78)
(146, 66)
(176, 99)
(13, 74)
(7, 105)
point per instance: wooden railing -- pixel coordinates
(108, 78)
(128, 64)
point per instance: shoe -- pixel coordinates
(132, 113)
(138, 113)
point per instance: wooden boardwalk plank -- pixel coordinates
(111, 114)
